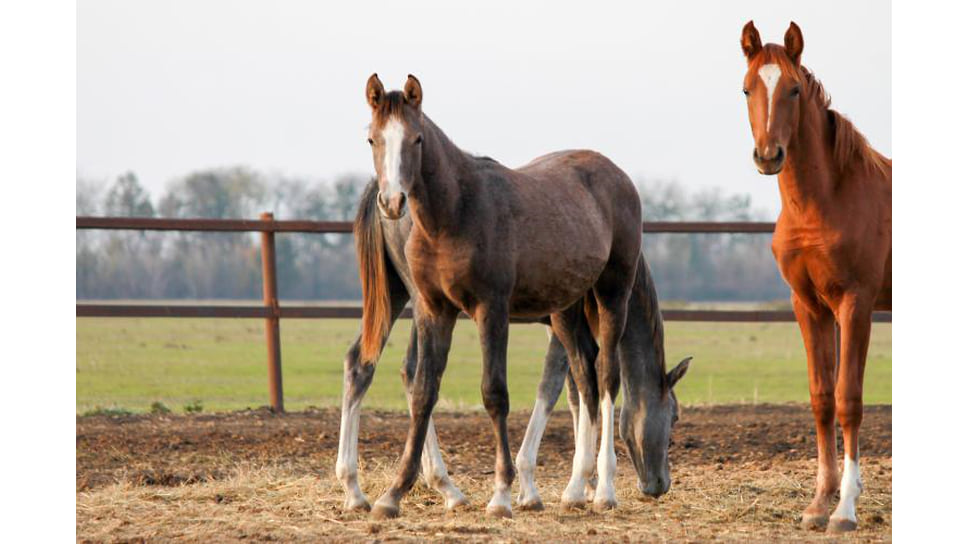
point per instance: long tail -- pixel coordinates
(373, 276)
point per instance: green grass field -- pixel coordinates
(130, 363)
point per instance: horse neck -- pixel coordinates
(808, 180)
(435, 196)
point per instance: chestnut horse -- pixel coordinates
(494, 243)
(381, 252)
(832, 244)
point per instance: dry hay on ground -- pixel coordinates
(740, 473)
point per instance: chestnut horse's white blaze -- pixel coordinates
(770, 74)
(393, 134)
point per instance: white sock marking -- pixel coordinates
(770, 74)
(527, 457)
(435, 470)
(347, 458)
(584, 462)
(850, 488)
(393, 146)
(605, 492)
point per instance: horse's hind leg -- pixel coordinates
(552, 380)
(357, 378)
(432, 462)
(612, 295)
(572, 330)
(574, 407)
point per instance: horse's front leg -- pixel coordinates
(432, 462)
(552, 380)
(854, 315)
(817, 328)
(492, 324)
(434, 332)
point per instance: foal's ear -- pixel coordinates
(750, 41)
(793, 42)
(374, 91)
(413, 91)
(678, 372)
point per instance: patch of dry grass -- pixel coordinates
(757, 501)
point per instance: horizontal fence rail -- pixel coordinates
(272, 311)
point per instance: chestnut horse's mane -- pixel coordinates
(849, 145)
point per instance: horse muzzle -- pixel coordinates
(770, 161)
(393, 206)
(656, 487)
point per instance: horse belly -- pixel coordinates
(545, 286)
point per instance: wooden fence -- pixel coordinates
(272, 311)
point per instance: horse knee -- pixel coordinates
(494, 393)
(823, 406)
(850, 409)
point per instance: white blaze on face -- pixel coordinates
(770, 74)
(393, 146)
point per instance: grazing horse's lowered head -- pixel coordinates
(395, 137)
(773, 87)
(650, 409)
(648, 436)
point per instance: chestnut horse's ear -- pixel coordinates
(413, 91)
(750, 41)
(793, 42)
(374, 91)
(678, 372)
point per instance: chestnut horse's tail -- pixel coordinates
(370, 254)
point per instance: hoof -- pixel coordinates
(841, 525)
(571, 505)
(385, 511)
(603, 505)
(356, 506)
(498, 512)
(814, 522)
(531, 505)
(457, 503)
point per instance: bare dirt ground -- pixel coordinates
(740, 473)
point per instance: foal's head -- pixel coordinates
(645, 425)
(395, 135)
(773, 89)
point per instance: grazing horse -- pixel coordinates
(832, 244)
(494, 243)
(380, 250)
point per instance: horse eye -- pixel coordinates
(419, 140)
(746, 92)
(795, 92)
(370, 141)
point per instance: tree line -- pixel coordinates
(206, 265)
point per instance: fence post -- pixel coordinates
(271, 300)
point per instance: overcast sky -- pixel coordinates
(167, 87)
